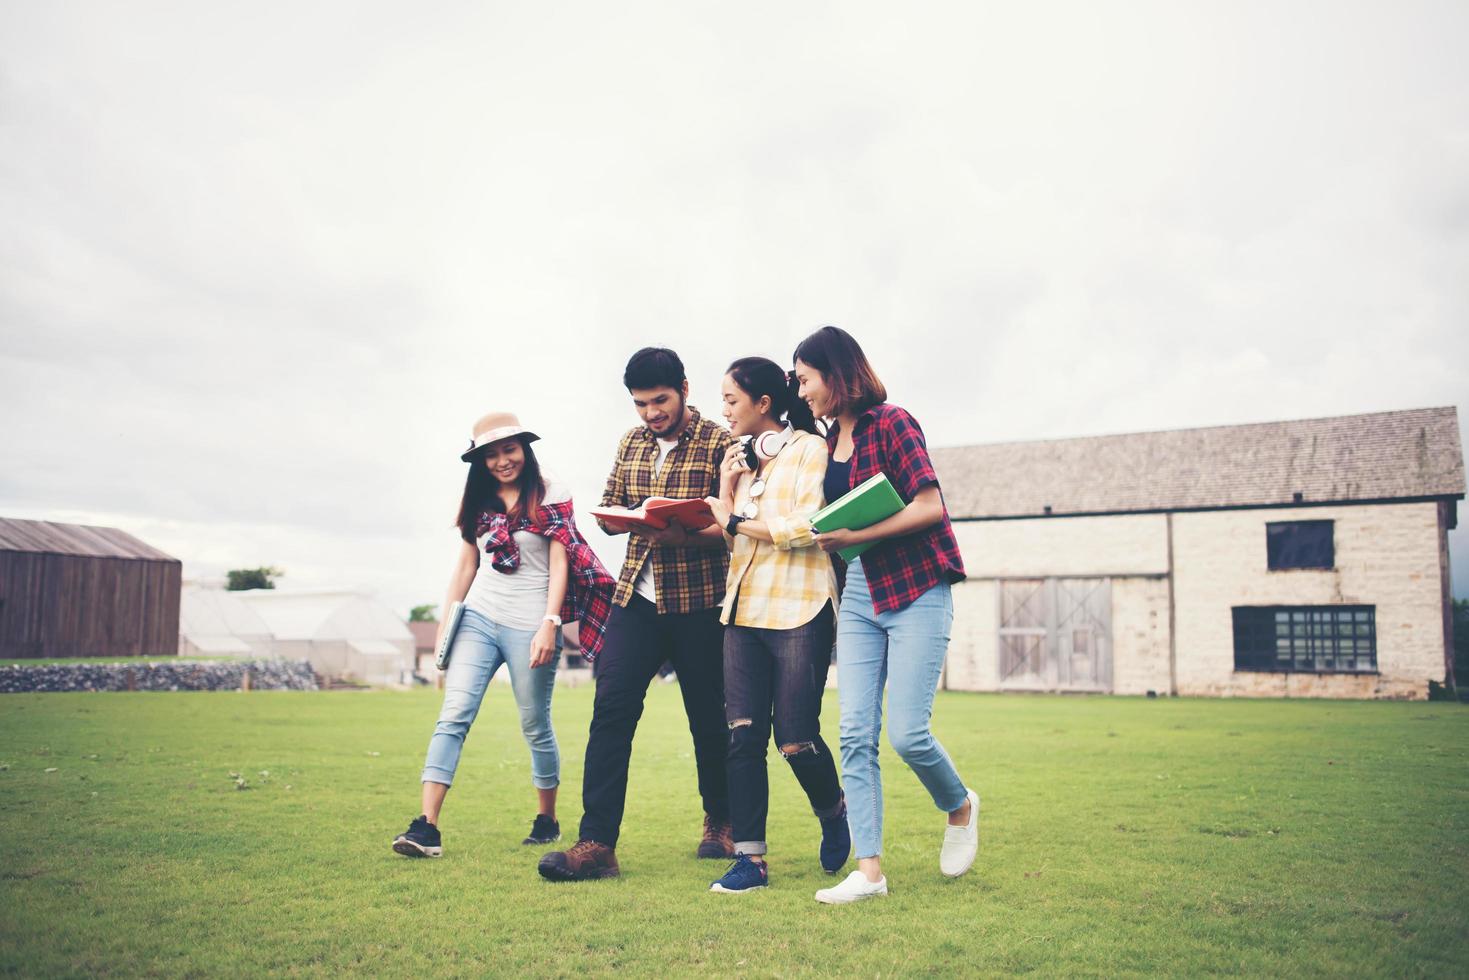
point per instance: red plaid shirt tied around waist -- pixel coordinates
(886, 439)
(588, 586)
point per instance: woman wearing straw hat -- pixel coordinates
(540, 572)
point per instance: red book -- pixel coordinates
(657, 513)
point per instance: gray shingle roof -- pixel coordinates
(48, 537)
(1380, 456)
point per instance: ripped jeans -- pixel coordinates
(777, 676)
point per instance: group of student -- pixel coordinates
(746, 610)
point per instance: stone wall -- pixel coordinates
(973, 661)
(221, 675)
(1125, 544)
(1140, 636)
(1130, 549)
(1387, 556)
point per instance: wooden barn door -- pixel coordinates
(1056, 634)
(1025, 615)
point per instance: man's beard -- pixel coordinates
(676, 420)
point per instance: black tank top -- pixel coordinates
(838, 479)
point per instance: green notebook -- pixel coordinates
(863, 506)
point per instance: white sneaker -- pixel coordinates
(961, 844)
(853, 889)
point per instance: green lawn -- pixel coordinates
(1119, 836)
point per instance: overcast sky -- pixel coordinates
(261, 265)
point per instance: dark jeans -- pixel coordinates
(636, 643)
(777, 675)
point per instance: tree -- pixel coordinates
(253, 578)
(1461, 642)
(423, 614)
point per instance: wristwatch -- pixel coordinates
(554, 620)
(735, 520)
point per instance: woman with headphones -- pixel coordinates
(779, 614)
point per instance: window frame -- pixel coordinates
(1272, 550)
(1311, 634)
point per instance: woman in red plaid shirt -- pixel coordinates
(896, 610)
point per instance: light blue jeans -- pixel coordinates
(480, 647)
(903, 651)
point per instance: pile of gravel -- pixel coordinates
(185, 675)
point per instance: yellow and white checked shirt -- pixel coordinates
(782, 585)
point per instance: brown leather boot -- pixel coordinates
(583, 861)
(718, 839)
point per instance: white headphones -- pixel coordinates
(769, 442)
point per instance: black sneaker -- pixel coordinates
(420, 840)
(836, 841)
(543, 831)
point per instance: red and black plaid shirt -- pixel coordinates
(588, 587)
(887, 439)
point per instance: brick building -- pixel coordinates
(1301, 559)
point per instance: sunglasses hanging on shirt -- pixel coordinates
(758, 449)
(751, 509)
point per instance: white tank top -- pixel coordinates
(516, 599)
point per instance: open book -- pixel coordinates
(867, 503)
(657, 513)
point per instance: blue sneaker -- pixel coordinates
(743, 876)
(836, 842)
(420, 840)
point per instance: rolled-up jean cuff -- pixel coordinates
(433, 774)
(835, 810)
(555, 781)
(950, 809)
(751, 847)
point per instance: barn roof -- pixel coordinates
(1376, 457)
(48, 537)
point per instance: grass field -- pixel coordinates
(1120, 836)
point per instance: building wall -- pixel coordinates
(1131, 550)
(1387, 556)
(974, 660)
(1140, 635)
(75, 606)
(1065, 546)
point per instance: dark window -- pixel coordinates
(1299, 544)
(1310, 639)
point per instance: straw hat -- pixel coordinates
(493, 428)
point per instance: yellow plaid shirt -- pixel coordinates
(686, 579)
(784, 584)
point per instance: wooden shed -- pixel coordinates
(68, 590)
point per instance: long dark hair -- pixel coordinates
(854, 386)
(482, 492)
(760, 376)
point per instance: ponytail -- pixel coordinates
(761, 377)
